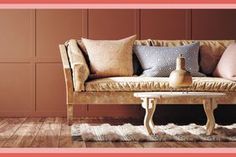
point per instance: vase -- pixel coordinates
(180, 77)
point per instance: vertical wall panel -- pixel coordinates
(16, 29)
(165, 24)
(214, 24)
(15, 88)
(50, 88)
(54, 27)
(16, 51)
(112, 24)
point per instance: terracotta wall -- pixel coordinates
(32, 81)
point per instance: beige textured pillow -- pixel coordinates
(226, 67)
(80, 70)
(110, 57)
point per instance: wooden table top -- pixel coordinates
(179, 94)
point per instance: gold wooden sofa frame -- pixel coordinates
(125, 98)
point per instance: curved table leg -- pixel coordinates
(149, 105)
(209, 107)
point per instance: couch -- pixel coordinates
(119, 90)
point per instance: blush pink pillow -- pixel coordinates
(226, 67)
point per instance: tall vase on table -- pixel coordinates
(180, 77)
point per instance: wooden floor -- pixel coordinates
(54, 132)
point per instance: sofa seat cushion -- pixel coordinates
(157, 84)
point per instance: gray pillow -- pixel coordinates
(161, 61)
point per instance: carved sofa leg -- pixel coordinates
(69, 114)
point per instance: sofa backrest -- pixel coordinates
(209, 54)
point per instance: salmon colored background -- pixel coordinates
(32, 81)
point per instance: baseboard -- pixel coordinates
(33, 114)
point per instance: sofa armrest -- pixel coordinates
(67, 72)
(80, 75)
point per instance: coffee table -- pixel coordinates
(150, 99)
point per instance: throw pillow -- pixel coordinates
(210, 50)
(80, 70)
(136, 64)
(161, 61)
(110, 57)
(226, 66)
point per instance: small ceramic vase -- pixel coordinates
(180, 77)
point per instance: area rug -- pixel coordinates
(162, 133)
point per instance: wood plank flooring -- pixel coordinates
(54, 132)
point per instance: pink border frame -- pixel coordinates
(117, 6)
(121, 150)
